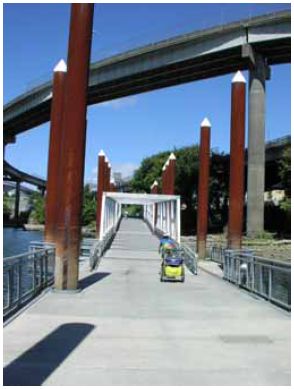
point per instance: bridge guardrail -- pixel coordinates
(100, 246)
(26, 275)
(268, 278)
(190, 258)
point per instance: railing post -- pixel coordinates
(46, 268)
(19, 287)
(34, 272)
(261, 278)
(10, 286)
(253, 272)
(270, 282)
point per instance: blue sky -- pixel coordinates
(35, 38)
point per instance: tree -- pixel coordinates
(285, 170)
(186, 184)
(6, 204)
(285, 175)
(89, 206)
(37, 202)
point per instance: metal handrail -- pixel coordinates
(190, 258)
(26, 275)
(268, 278)
(100, 246)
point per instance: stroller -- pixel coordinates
(172, 267)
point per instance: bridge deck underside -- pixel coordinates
(202, 332)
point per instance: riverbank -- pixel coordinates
(268, 248)
(86, 233)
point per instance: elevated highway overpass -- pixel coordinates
(13, 174)
(195, 56)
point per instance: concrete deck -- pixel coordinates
(127, 328)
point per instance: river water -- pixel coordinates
(16, 241)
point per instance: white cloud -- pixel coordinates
(123, 102)
(126, 169)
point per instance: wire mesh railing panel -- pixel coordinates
(281, 286)
(25, 275)
(190, 259)
(265, 277)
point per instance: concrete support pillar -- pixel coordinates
(256, 148)
(16, 203)
(203, 188)
(73, 147)
(54, 184)
(237, 153)
(100, 189)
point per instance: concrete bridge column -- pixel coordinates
(54, 184)
(73, 148)
(237, 154)
(203, 188)
(256, 147)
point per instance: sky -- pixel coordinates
(130, 129)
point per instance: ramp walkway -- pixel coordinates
(125, 327)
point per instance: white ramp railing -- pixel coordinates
(161, 212)
(164, 216)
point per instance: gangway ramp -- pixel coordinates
(137, 330)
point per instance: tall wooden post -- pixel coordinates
(54, 184)
(172, 174)
(100, 189)
(203, 188)
(73, 146)
(237, 159)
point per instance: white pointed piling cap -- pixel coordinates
(109, 164)
(106, 159)
(164, 167)
(172, 156)
(112, 180)
(205, 123)
(238, 77)
(101, 154)
(61, 66)
(155, 183)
